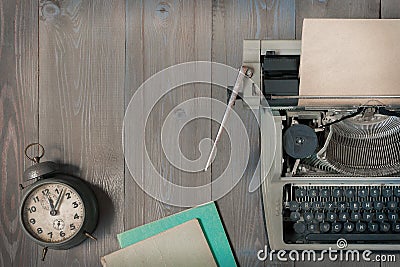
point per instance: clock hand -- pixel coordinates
(53, 211)
(59, 198)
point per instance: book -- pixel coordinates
(181, 245)
(209, 220)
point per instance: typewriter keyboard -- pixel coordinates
(323, 214)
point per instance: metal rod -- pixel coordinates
(243, 72)
(330, 97)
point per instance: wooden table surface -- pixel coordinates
(68, 73)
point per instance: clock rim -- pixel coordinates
(89, 200)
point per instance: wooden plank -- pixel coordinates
(234, 21)
(172, 32)
(81, 104)
(281, 19)
(18, 122)
(335, 9)
(134, 196)
(390, 9)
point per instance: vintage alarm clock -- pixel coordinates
(57, 211)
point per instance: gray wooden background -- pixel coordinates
(68, 73)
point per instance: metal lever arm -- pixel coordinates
(243, 72)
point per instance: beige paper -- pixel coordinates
(182, 245)
(350, 57)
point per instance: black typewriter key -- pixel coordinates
(299, 227)
(305, 205)
(380, 216)
(378, 205)
(367, 216)
(325, 193)
(396, 191)
(348, 227)
(293, 205)
(350, 193)
(374, 192)
(367, 205)
(392, 216)
(387, 192)
(308, 216)
(301, 192)
(317, 205)
(331, 216)
(324, 227)
(384, 227)
(360, 227)
(313, 228)
(396, 227)
(355, 216)
(294, 216)
(337, 192)
(319, 216)
(392, 205)
(313, 192)
(362, 192)
(329, 205)
(343, 216)
(342, 205)
(354, 205)
(373, 227)
(336, 227)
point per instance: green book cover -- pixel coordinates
(211, 225)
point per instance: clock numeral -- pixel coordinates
(32, 221)
(39, 230)
(58, 192)
(75, 205)
(36, 199)
(62, 234)
(72, 226)
(68, 195)
(32, 209)
(50, 234)
(76, 216)
(45, 192)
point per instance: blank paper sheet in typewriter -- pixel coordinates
(350, 57)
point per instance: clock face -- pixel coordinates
(53, 212)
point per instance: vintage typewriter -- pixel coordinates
(335, 170)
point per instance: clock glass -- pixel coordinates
(53, 212)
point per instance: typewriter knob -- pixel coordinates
(300, 141)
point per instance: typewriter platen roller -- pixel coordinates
(335, 172)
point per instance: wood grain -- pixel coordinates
(335, 9)
(234, 21)
(18, 121)
(172, 32)
(81, 107)
(133, 194)
(93, 55)
(390, 9)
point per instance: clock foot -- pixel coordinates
(90, 236)
(44, 252)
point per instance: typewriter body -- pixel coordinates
(334, 173)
